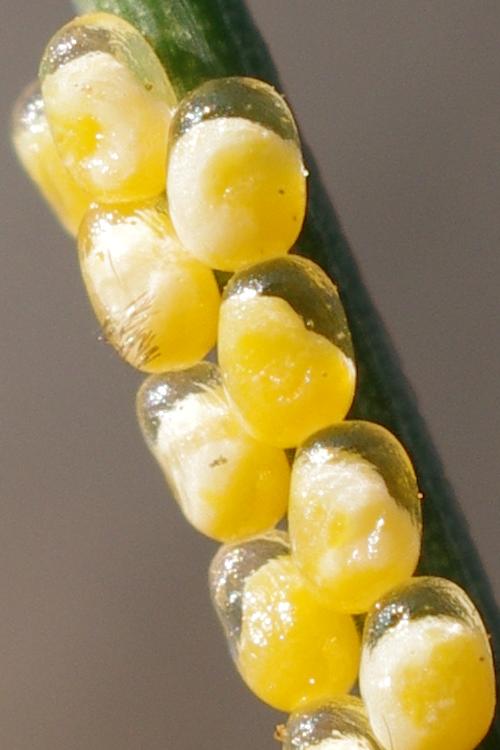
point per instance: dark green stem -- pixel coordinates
(201, 39)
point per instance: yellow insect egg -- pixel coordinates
(288, 646)
(285, 350)
(227, 484)
(427, 675)
(337, 724)
(36, 150)
(158, 305)
(235, 182)
(109, 104)
(355, 518)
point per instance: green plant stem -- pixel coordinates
(201, 39)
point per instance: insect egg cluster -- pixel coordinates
(166, 198)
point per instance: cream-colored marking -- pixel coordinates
(429, 684)
(190, 439)
(350, 536)
(236, 192)
(157, 304)
(110, 131)
(228, 485)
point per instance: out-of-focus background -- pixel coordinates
(107, 638)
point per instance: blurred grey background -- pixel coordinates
(107, 638)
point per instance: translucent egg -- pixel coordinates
(227, 484)
(427, 676)
(285, 350)
(158, 306)
(337, 724)
(36, 150)
(235, 182)
(354, 519)
(288, 647)
(109, 105)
